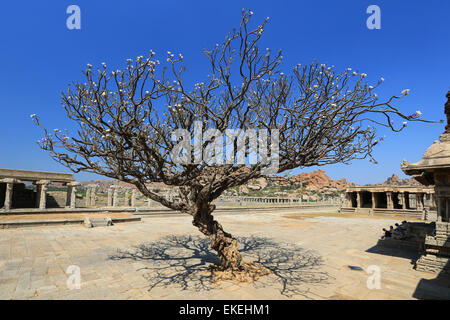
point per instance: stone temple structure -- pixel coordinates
(434, 169)
(14, 194)
(390, 199)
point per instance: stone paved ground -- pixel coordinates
(311, 258)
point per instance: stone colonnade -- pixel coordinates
(41, 193)
(389, 197)
(267, 199)
(129, 196)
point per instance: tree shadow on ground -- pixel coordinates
(183, 261)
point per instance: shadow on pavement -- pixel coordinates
(183, 261)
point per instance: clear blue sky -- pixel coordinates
(39, 56)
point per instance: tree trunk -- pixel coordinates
(221, 241)
(231, 267)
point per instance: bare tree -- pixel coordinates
(126, 119)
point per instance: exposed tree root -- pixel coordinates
(248, 272)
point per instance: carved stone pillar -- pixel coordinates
(133, 198)
(41, 196)
(71, 194)
(110, 199)
(389, 200)
(9, 193)
(419, 201)
(93, 194)
(88, 196)
(406, 200)
(358, 199)
(116, 197)
(126, 200)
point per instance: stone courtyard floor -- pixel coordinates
(166, 258)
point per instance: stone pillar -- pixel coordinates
(115, 197)
(133, 198)
(8, 194)
(71, 194)
(374, 200)
(358, 199)
(441, 209)
(88, 196)
(93, 194)
(419, 201)
(68, 195)
(389, 200)
(406, 200)
(110, 199)
(401, 200)
(126, 201)
(447, 213)
(41, 196)
(433, 200)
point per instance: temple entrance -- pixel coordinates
(366, 199)
(396, 201)
(381, 200)
(353, 198)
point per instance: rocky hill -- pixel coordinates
(303, 184)
(395, 180)
(318, 180)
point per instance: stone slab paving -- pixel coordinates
(166, 258)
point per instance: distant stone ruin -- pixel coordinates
(14, 194)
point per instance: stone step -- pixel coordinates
(104, 222)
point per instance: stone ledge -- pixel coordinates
(433, 264)
(39, 223)
(28, 175)
(438, 242)
(397, 243)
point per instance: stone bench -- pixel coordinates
(104, 222)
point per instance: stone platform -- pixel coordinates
(165, 257)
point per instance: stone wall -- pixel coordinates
(436, 257)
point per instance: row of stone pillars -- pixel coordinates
(266, 199)
(41, 193)
(113, 197)
(403, 199)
